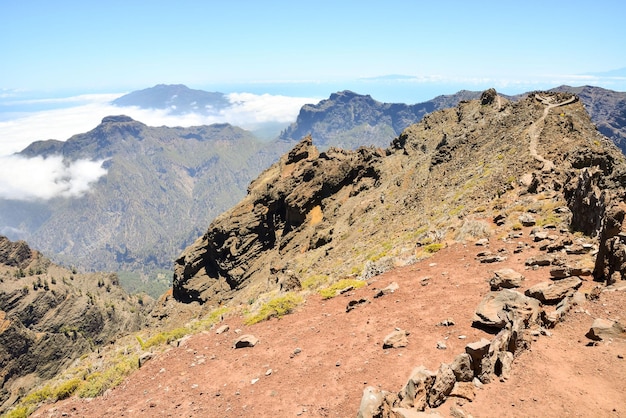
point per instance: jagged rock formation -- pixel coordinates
(49, 316)
(268, 219)
(162, 187)
(323, 212)
(349, 120)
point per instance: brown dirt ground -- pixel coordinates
(341, 354)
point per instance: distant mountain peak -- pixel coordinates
(177, 98)
(117, 119)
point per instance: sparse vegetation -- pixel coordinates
(315, 281)
(98, 382)
(276, 307)
(164, 337)
(432, 248)
(335, 288)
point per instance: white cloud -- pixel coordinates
(46, 178)
(38, 178)
(248, 111)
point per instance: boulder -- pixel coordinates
(561, 272)
(246, 340)
(396, 339)
(506, 279)
(372, 403)
(144, 357)
(222, 329)
(487, 257)
(526, 219)
(392, 287)
(462, 368)
(554, 292)
(501, 307)
(442, 386)
(540, 260)
(414, 394)
(464, 390)
(477, 350)
(604, 329)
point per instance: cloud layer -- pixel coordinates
(38, 178)
(85, 113)
(45, 178)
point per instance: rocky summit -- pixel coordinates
(343, 213)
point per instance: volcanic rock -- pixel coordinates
(498, 308)
(396, 339)
(604, 329)
(506, 279)
(246, 340)
(552, 292)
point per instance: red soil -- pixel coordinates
(341, 354)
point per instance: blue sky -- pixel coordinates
(111, 46)
(62, 62)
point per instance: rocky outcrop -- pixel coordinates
(483, 361)
(49, 316)
(348, 120)
(15, 254)
(284, 203)
(340, 211)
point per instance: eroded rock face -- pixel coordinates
(15, 254)
(284, 200)
(596, 197)
(50, 316)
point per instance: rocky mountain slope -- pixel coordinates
(607, 109)
(50, 316)
(349, 120)
(321, 212)
(162, 186)
(463, 212)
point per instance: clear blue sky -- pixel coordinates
(126, 45)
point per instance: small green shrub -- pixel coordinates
(21, 411)
(98, 382)
(276, 307)
(66, 389)
(38, 396)
(212, 318)
(333, 290)
(164, 337)
(315, 281)
(432, 248)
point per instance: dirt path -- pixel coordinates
(535, 130)
(317, 361)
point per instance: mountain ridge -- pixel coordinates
(50, 316)
(485, 184)
(302, 208)
(158, 179)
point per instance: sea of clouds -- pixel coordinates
(24, 121)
